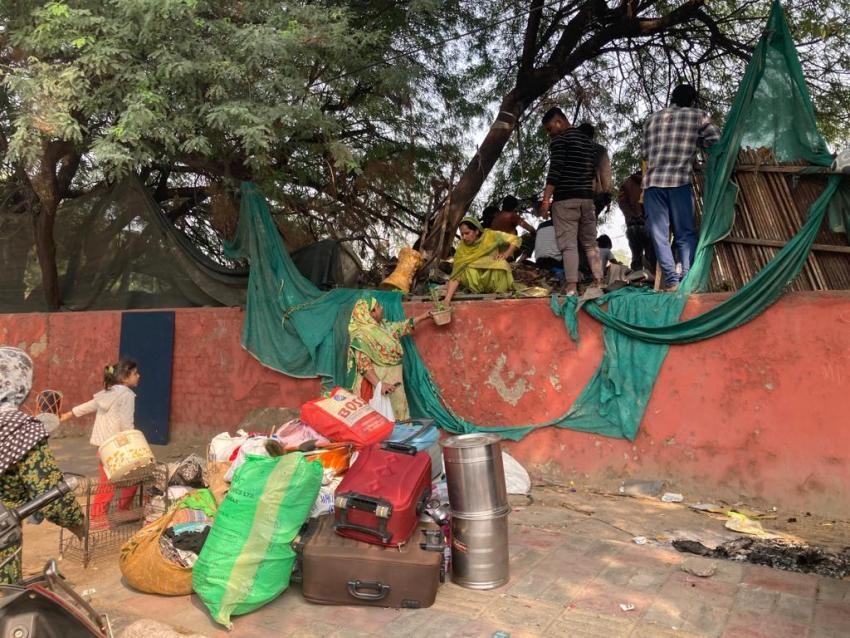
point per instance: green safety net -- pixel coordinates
(293, 327)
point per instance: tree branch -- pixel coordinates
(722, 40)
(532, 28)
(70, 162)
(235, 168)
(623, 28)
(643, 27)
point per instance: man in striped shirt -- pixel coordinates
(671, 139)
(569, 195)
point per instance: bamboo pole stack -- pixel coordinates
(771, 207)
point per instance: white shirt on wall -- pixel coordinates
(545, 244)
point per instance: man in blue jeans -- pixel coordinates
(671, 139)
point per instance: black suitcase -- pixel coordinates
(336, 570)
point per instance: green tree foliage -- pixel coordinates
(297, 96)
(355, 117)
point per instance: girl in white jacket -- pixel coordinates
(114, 409)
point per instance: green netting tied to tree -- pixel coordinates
(293, 327)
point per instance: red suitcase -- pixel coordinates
(383, 493)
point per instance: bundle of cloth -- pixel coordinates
(183, 539)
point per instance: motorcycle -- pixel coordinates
(44, 606)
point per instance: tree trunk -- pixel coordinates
(224, 212)
(50, 182)
(45, 184)
(45, 247)
(440, 237)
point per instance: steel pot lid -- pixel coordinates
(470, 440)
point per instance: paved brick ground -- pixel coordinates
(568, 580)
(571, 568)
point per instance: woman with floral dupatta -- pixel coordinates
(375, 353)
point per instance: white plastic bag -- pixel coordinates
(255, 445)
(381, 403)
(325, 500)
(176, 492)
(295, 432)
(517, 479)
(222, 445)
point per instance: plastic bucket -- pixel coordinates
(126, 456)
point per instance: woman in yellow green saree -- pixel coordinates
(375, 353)
(481, 260)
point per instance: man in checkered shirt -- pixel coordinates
(671, 139)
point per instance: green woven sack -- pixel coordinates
(247, 560)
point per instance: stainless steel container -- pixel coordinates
(475, 476)
(480, 558)
(475, 479)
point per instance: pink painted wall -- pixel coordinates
(215, 381)
(758, 412)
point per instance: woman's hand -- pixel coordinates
(66, 416)
(502, 256)
(389, 388)
(451, 289)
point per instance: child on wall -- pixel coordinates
(114, 409)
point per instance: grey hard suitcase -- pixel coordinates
(423, 435)
(336, 570)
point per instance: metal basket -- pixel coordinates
(107, 532)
